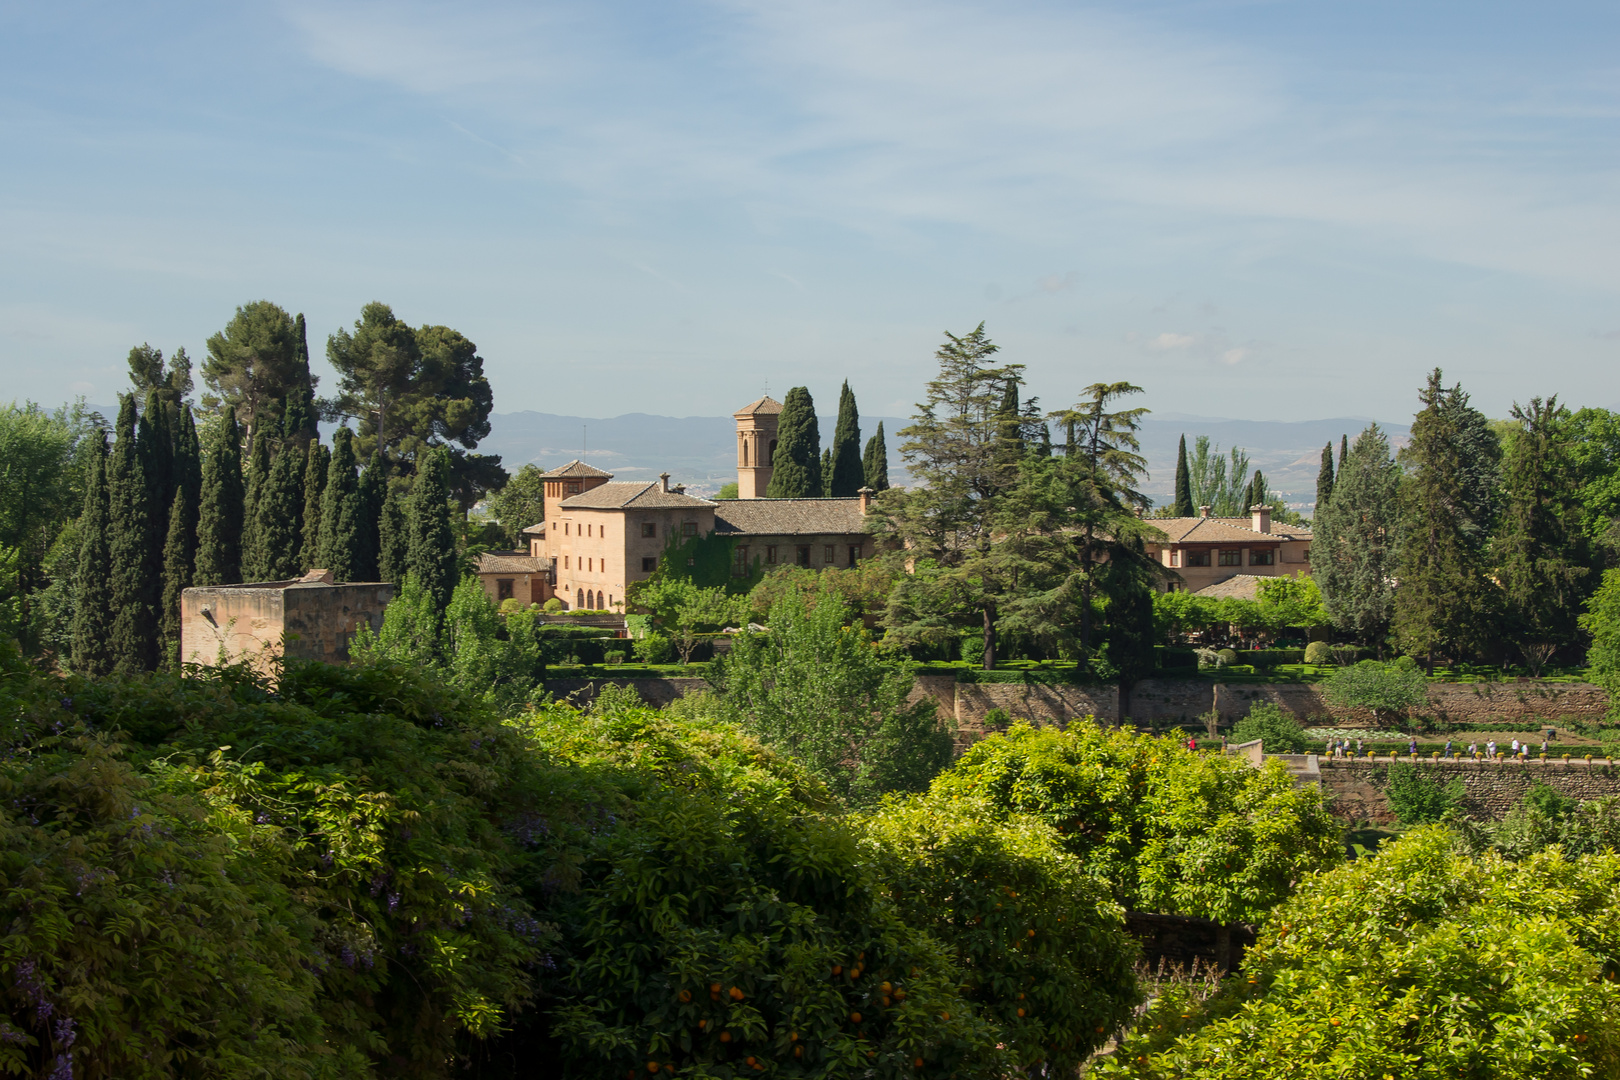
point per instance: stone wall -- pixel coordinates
(655, 692)
(1355, 789)
(258, 622)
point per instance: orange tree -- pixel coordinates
(1421, 962)
(723, 924)
(1041, 946)
(1167, 829)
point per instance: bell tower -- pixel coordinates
(756, 446)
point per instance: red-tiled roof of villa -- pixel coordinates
(788, 517)
(766, 404)
(1236, 587)
(575, 468)
(1196, 530)
(512, 562)
(625, 494)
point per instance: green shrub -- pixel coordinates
(1418, 797)
(1042, 946)
(654, 648)
(1418, 962)
(1228, 657)
(553, 606)
(1166, 829)
(1387, 690)
(1319, 652)
(1280, 732)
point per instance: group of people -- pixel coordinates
(1516, 749)
(1340, 748)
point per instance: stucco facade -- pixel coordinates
(1205, 551)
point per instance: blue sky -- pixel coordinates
(1255, 210)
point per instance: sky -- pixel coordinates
(1258, 210)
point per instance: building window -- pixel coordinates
(803, 555)
(573, 487)
(503, 589)
(1198, 558)
(565, 562)
(688, 528)
(827, 555)
(1232, 558)
(589, 531)
(649, 530)
(590, 565)
(745, 453)
(1307, 554)
(739, 563)
(579, 598)
(648, 565)
(770, 554)
(854, 553)
(1261, 558)
(1175, 558)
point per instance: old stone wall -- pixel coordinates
(261, 622)
(1355, 789)
(655, 692)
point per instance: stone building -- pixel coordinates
(308, 618)
(515, 575)
(601, 535)
(1207, 551)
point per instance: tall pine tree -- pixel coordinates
(1184, 503)
(220, 513)
(1540, 550)
(369, 495)
(342, 489)
(178, 557)
(393, 539)
(93, 609)
(847, 475)
(796, 468)
(315, 465)
(1354, 546)
(133, 635)
(255, 557)
(1324, 478)
(431, 559)
(875, 462)
(1445, 601)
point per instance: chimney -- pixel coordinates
(664, 478)
(1203, 511)
(1261, 514)
(866, 494)
(680, 489)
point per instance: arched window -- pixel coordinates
(773, 450)
(579, 598)
(745, 453)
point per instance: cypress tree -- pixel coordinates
(1344, 448)
(1184, 504)
(188, 467)
(847, 476)
(1324, 478)
(431, 558)
(1257, 489)
(1540, 550)
(255, 558)
(280, 506)
(826, 471)
(93, 606)
(393, 539)
(1353, 553)
(1248, 497)
(1009, 448)
(369, 496)
(221, 509)
(133, 632)
(178, 556)
(796, 468)
(875, 462)
(315, 465)
(337, 544)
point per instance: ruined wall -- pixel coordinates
(1491, 788)
(258, 623)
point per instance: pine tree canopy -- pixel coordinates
(875, 462)
(1540, 549)
(220, 514)
(1184, 500)
(796, 468)
(93, 605)
(847, 476)
(254, 365)
(431, 557)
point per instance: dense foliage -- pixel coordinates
(1420, 962)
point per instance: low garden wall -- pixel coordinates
(655, 692)
(1490, 788)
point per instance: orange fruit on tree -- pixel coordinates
(685, 996)
(750, 1060)
(838, 969)
(736, 994)
(702, 1024)
(1020, 1012)
(885, 1001)
(714, 988)
(725, 1036)
(652, 1066)
(885, 987)
(854, 1017)
(918, 1063)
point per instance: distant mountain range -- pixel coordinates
(700, 451)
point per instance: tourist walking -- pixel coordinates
(1359, 751)
(1490, 749)
(1448, 748)
(1473, 749)
(1515, 747)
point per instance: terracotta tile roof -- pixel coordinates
(575, 468)
(766, 404)
(631, 494)
(512, 562)
(1225, 530)
(537, 531)
(788, 517)
(1236, 587)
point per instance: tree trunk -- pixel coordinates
(989, 638)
